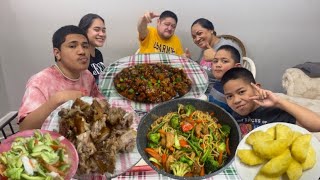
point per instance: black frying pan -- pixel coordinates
(162, 109)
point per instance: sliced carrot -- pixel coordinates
(164, 160)
(191, 115)
(188, 174)
(220, 158)
(183, 143)
(52, 168)
(161, 131)
(2, 169)
(3, 177)
(156, 165)
(56, 147)
(153, 153)
(202, 172)
(227, 146)
(201, 121)
(202, 145)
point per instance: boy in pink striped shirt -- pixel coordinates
(67, 80)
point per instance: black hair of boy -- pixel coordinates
(205, 23)
(87, 20)
(235, 55)
(59, 36)
(170, 14)
(238, 73)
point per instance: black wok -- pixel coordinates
(170, 106)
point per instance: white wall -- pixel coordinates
(277, 34)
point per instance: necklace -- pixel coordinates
(67, 76)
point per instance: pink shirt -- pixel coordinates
(47, 82)
(207, 65)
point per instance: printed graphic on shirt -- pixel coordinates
(97, 68)
(163, 48)
(207, 65)
(248, 124)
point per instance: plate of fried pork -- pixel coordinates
(104, 135)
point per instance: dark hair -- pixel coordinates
(60, 35)
(235, 55)
(237, 73)
(170, 14)
(205, 23)
(87, 20)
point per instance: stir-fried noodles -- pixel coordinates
(188, 142)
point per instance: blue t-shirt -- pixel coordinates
(216, 96)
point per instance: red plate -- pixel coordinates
(72, 152)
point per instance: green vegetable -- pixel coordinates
(40, 148)
(222, 147)
(212, 135)
(27, 177)
(31, 143)
(154, 137)
(21, 161)
(176, 141)
(154, 160)
(14, 173)
(225, 129)
(205, 155)
(177, 79)
(193, 147)
(152, 145)
(180, 168)
(189, 109)
(210, 165)
(20, 148)
(131, 91)
(64, 167)
(49, 157)
(156, 129)
(184, 159)
(175, 121)
(188, 150)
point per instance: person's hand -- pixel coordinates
(209, 53)
(148, 16)
(187, 54)
(264, 97)
(63, 96)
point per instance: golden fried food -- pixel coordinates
(278, 165)
(284, 132)
(249, 157)
(295, 135)
(272, 132)
(285, 152)
(294, 170)
(271, 148)
(300, 147)
(261, 176)
(258, 135)
(310, 160)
